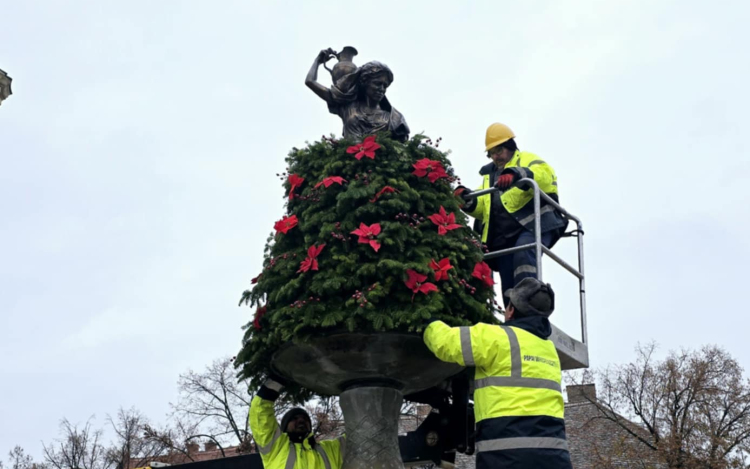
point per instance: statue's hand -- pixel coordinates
(325, 55)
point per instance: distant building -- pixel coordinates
(598, 443)
(194, 454)
(4, 86)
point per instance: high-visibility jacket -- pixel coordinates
(519, 202)
(278, 451)
(518, 402)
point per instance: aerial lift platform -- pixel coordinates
(574, 354)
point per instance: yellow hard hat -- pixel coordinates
(497, 133)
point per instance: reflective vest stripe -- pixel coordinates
(524, 269)
(515, 382)
(292, 458)
(515, 352)
(530, 218)
(323, 454)
(267, 448)
(522, 443)
(466, 350)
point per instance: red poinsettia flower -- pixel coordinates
(311, 262)
(444, 221)
(483, 272)
(259, 313)
(366, 148)
(385, 190)
(441, 268)
(295, 181)
(434, 170)
(330, 180)
(367, 234)
(285, 224)
(416, 283)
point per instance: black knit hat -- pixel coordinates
(532, 297)
(291, 414)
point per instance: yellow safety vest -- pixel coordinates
(517, 374)
(515, 200)
(278, 451)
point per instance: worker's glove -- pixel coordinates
(272, 387)
(468, 202)
(506, 180)
(274, 380)
(461, 191)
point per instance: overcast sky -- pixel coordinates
(139, 150)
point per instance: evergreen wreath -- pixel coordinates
(373, 240)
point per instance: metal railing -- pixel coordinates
(539, 248)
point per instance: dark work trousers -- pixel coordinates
(515, 267)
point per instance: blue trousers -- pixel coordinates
(515, 267)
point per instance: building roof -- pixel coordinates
(596, 442)
(209, 452)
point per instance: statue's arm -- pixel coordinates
(312, 76)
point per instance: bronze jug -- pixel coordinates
(345, 66)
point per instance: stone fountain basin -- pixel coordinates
(333, 363)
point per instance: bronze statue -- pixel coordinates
(357, 95)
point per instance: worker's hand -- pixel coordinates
(505, 181)
(464, 194)
(461, 191)
(275, 381)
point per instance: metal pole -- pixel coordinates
(582, 284)
(476, 194)
(505, 252)
(549, 200)
(537, 225)
(564, 264)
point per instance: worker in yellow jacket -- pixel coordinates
(518, 402)
(507, 220)
(291, 445)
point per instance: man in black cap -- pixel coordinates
(291, 445)
(518, 402)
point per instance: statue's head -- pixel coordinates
(374, 79)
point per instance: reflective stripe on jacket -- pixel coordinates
(518, 402)
(278, 451)
(519, 202)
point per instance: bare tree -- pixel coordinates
(327, 418)
(692, 408)
(131, 447)
(18, 459)
(77, 448)
(177, 439)
(214, 403)
(212, 406)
